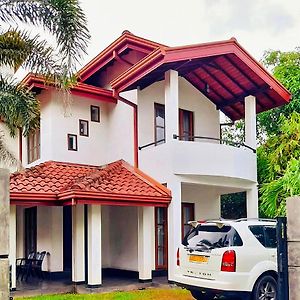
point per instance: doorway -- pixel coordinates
(161, 238)
(30, 229)
(67, 238)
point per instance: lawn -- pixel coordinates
(149, 294)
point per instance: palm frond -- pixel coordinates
(6, 156)
(18, 106)
(63, 18)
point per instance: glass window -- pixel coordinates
(159, 113)
(34, 146)
(208, 237)
(186, 125)
(83, 128)
(72, 142)
(188, 214)
(95, 113)
(258, 232)
(270, 235)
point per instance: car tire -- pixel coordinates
(265, 289)
(201, 296)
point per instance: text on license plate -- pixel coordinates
(198, 258)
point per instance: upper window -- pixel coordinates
(187, 214)
(186, 125)
(159, 123)
(83, 128)
(95, 113)
(72, 142)
(34, 146)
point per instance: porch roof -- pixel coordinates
(223, 71)
(60, 183)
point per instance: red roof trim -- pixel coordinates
(173, 54)
(80, 89)
(126, 41)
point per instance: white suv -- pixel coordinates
(229, 258)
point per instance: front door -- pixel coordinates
(30, 229)
(161, 238)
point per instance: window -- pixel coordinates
(187, 214)
(159, 123)
(83, 128)
(95, 113)
(186, 125)
(161, 238)
(72, 142)
(33, 146)
(266, 235)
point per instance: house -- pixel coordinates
(113, 177)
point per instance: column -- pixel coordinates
(145, 245)
(250, 121)
(252, 202)
(13, 244)
(78, 253)
(94, 246)
(171, 104)
(174, 227)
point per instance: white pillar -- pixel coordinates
(145, 245)
(94, 246)
(250, 121)
(174, 227)
(252, 202)
(171, 104)
(78, 242)
(13, 244)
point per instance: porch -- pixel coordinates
(102, 226)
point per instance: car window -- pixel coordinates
(208, 237)
(266, 235)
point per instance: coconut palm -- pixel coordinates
(65, 22)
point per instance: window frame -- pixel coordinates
(159, 106)
(87, 125)
(76, 142)
(191, 124)
(98, 114)
(192, 215)
(34, 152)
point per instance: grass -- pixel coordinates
(149, 294)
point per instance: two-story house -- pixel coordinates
(123, 162)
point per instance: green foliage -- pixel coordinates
(278, 160)
(285, 66)
(233, 206)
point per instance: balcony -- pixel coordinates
(203, 156)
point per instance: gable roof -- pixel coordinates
(59, 183)
(223, 71)
(126, 42)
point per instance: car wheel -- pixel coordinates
(201, 296)
(265, 289)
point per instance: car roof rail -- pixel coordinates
(255, 219)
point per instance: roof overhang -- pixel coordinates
(38, 83)
(223, 71)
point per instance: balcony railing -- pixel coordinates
(195, 137)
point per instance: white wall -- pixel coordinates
(50, 236)
(206, 199)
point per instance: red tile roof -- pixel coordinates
(59, 183)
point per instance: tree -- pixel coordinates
(62, 19)
(285, 66)
(279, 166)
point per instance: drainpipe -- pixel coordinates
(135, 128)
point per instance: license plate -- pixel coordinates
(198, 258)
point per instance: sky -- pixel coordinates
(258, 25)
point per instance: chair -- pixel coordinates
(23, 265)
(36, 265)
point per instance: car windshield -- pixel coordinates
(204, 238)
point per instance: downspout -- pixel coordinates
(135, 128)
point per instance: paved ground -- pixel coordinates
(36, 287)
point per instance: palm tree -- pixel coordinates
(63, 20)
